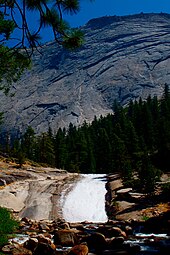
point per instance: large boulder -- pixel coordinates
(44, 249)
(96, 242)
(16, 249)
(65, 237)
(80, 249)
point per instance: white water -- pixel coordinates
(86, 201)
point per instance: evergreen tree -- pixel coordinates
(14, 18)
(12, 61)
(164, 131)
(60, 147)
(148, 174)
(46, 153)
(119, 153)
(28, 143)
(104, 152)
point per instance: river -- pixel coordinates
(86, 200)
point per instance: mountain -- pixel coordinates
(122, 58)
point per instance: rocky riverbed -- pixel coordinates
(136, 225)
(115, 237)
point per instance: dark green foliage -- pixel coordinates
(12, 61)
(134, 141)
(12, 64)
(45, 149)
(7, 225)
(166, 190)
(148, 174)
(27, 143)
(14, 18)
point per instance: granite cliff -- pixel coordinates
(123, 58)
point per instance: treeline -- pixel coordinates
(134, 141)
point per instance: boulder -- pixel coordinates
(31, 244)
(43, 226)
(65, 237)
(42, 239)
(110, 231)
(116, 242)
(123, 194)
(2, 182)
(96, 241)
(80, 249)
(16, 250)
(44, 249)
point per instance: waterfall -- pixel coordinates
(86, 200)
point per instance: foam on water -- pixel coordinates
(86, 201)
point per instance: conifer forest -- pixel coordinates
(133, 141)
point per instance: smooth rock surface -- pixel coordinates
(123, 58)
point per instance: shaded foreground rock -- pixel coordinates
(88, 238)
(80, 249)
(127, 204)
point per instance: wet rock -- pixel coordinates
(42, 239)
(43, 226)
(128, 230)
(96, 241)
(80, 249)
(25, 220)
(65, 237)
(78, 226)
(164, 247)
(44, 249)
(16, 250)
(115, 252)
(116, 242)
(7, 248)
(132, 248)
(31, 244)
(2, 182)
(64, 225)
(112, 231)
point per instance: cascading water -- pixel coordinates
(86, 201)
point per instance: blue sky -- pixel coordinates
(99, 8)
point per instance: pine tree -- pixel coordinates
(46, 152)
(164, 131)
(148, 174)
(61, 151)
(28, 143)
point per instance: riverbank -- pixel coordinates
(34, 192)
(116, 237)
(127, 204)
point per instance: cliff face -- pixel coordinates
(123, 58)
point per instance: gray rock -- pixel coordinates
(2, 182)
(123, 58)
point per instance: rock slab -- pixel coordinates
(123, 58)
